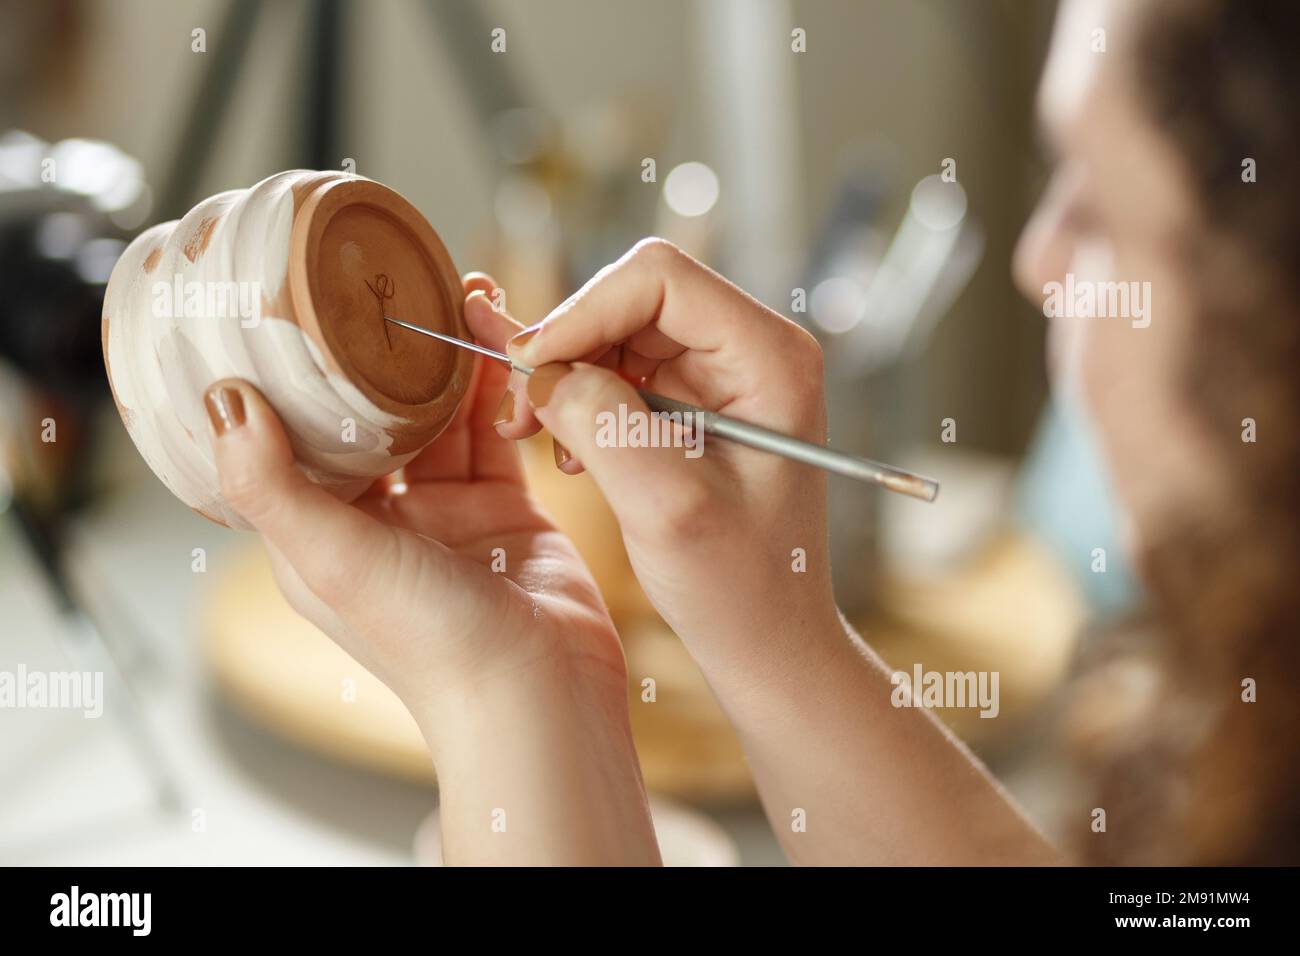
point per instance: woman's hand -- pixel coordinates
(730, 546)
(503, 669)
(402, 578)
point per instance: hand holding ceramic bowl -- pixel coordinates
(285, 285)
(451, 587)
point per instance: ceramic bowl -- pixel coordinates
(286, 285)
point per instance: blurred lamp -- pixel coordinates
(938, 205)
(691, 189)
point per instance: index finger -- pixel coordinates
(658, 303)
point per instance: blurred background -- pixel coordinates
(861, 166)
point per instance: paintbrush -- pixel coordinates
(744, 433)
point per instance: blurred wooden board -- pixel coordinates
(1010, 610)
(280, 671)
(283, 673)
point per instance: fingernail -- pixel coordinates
(506, 410)
(543, 381)
(225, 408)
(561, 453)
(524, 337)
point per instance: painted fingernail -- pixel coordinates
(561, 453)
(506, 410)
(543, 381)
(524, 337)
(225, 408)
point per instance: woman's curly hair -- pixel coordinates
(1202, 775)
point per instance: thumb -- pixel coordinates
(302, 520)
(607, 426)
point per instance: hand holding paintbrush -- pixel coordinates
(596, 337)
(700, 421)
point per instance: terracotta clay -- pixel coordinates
(286, 285)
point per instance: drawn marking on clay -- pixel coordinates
(383, 289)
(198, 243)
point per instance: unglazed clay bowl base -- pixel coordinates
(325, 256)
(357, 256)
